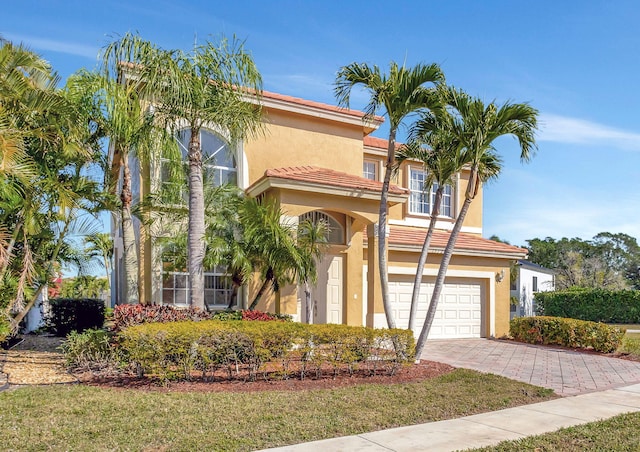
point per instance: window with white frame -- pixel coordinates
(218, 288)
(421, 200)
(335, 232)
(218, 164)
(370, 169)
(218, 167)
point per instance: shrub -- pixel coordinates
(130, 315)
(69, 314)
(596, 305)
(126, 315)
(566, 332)
(176, 350)
(90, 349)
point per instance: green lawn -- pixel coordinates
(78, 417)
(620, 433)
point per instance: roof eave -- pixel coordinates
(269, 182)
(458, 251)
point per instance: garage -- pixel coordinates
(460, 311)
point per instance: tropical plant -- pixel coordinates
(312, 242)
(271, 245)
(479, 126)
(401, 92)
(435, 143)
(100, 245)
(49, 146)
(216, 85)
(129, 123)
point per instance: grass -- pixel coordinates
(618, 433)
(79, 417)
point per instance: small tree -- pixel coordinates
(401, 92)
(480, 126)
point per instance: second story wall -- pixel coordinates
(291, 139)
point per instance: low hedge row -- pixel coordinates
(71, 314)
(137, 314)
(566, 332)
(282, 349)
(596, 305)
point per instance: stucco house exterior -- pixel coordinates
(320, 162)
(531, 278)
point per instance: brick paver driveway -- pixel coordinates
(566, 372)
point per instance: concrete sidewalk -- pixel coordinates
(488, 428)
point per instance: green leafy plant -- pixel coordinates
(69, 314)
(596, 305)
(88, 350)
(176, 350)
(566, 332)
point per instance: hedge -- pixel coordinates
(137, 314)
(178, 350)
(566, 332)
(71, 314)
(596, 305)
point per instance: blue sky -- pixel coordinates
(576, 62)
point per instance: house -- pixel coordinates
(320, 162)
(530, 278)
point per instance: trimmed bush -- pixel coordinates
(70, 314)
(596, 305)
(130, 315)
(126, 315)
(566, 332)
(90, 349)
(177, 350)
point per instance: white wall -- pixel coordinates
(525, 289)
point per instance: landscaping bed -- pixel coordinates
(407, 374)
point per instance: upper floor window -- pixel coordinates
(421, 200)
(534, 283)
(370, 169)
(218, 162)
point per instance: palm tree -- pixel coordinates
(129, 123)
(312, 241)
(207, 87)
(480, 126)
(100, 244)
(46, 188)
(402, 92)
(271, 245)
(434, 143)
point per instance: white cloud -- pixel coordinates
(562, 129)
(69, 48)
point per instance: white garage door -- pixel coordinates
(459, 313)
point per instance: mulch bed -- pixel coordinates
(407, 374)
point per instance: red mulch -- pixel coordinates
(407, 374)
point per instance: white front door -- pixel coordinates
(326, 295)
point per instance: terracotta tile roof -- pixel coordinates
(331, 177)
(401, 235)
(378, 143)
(314, 104)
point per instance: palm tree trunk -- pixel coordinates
(196, 244)
(382, 230)
(263, 288)
(307, 302)
(423, 257)
(130, 250)
(472, 190)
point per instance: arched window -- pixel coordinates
(218, 160)
(335, 232)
